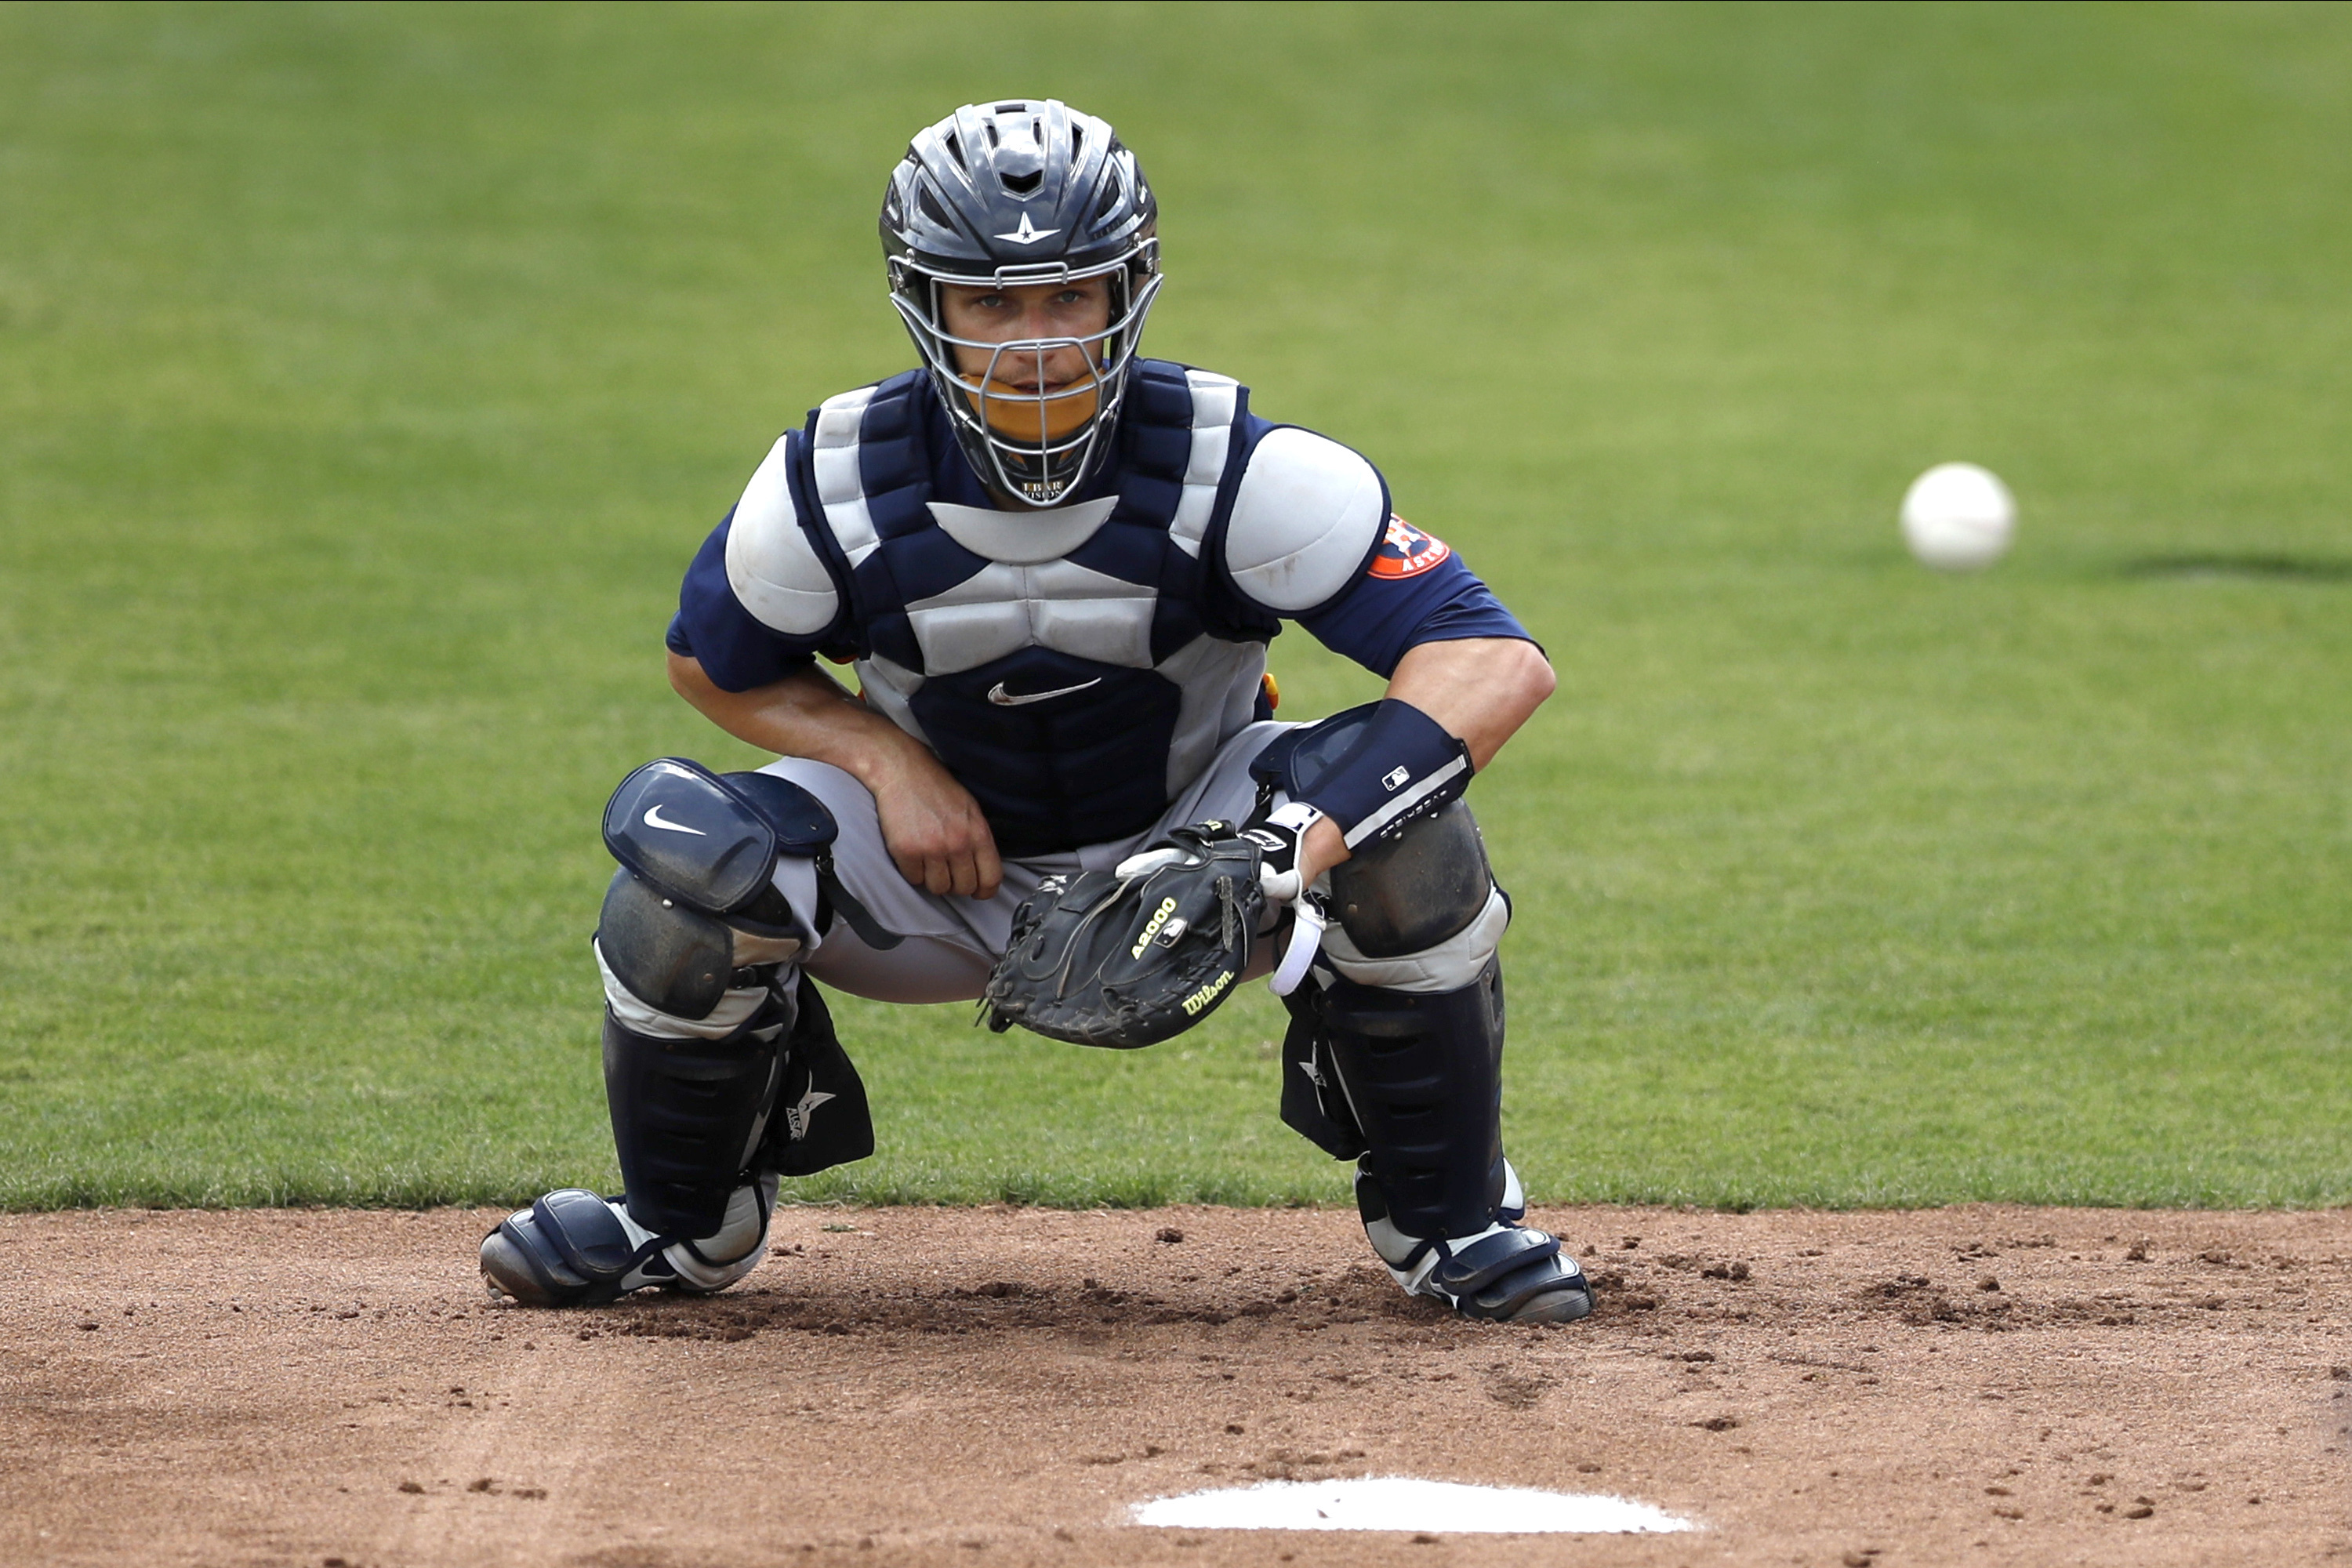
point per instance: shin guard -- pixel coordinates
(1412, 1081)
(1422, 1076)
(689, 1114)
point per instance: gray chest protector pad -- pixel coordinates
(698, 852)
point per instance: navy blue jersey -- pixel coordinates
(1074, 668)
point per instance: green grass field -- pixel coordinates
(367, 375)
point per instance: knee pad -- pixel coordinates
(675, 960)
(1416, 904)
(695, 903)
(1419, 911)
(1404, 894)
(702, 851)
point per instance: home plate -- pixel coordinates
(1399, 1502)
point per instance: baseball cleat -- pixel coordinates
(1513, 1275)
(573, 1249)
(1508, 1273)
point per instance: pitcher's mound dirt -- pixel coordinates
(1984, 1385)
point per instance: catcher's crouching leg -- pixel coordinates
(702, 1127)
(688, 1115)
(1394, 1057)
(706, 1112)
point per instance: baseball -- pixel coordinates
(1957, 516)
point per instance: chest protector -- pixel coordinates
(1074, 668)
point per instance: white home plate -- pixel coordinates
(1398, 1502)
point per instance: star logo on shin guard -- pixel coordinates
(796, 1117)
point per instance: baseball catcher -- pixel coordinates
(1060, 790)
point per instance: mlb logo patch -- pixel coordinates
(1407, 552)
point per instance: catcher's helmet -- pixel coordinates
(1009, 193)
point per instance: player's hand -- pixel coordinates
(1320, 848)
(1297, 844)
(935, 832)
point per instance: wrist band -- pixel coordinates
(1404, 766)
(1295, 817)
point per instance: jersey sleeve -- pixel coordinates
(1309, 537)
(713, 628)
(1417, 590)
(758, 601)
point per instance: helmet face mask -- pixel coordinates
(1031, 438)
(1019, 194)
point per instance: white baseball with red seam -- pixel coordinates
(1957, 516)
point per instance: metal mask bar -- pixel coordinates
(1060, 462)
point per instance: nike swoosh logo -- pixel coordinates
(654, 818)
(1003, 699)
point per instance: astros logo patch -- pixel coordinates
(1407, 552)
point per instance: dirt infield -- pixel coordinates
(1984, 1385)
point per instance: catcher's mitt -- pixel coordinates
(1131, 957)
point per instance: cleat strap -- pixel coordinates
(508, 1249)
(1490, 1258)
(1509, 1295)
(588, 1235)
